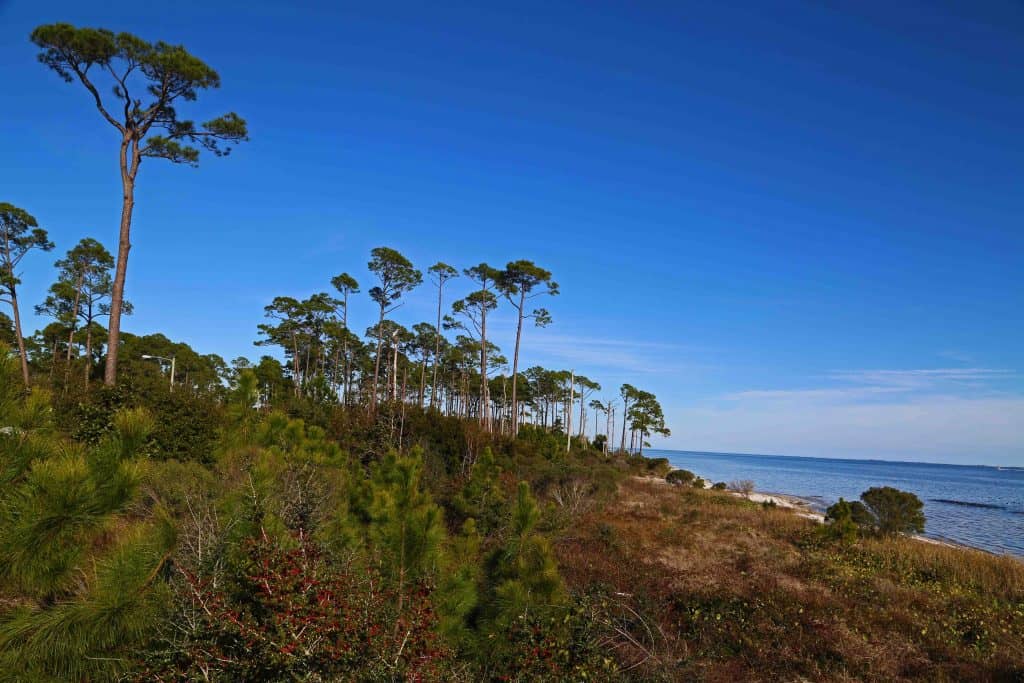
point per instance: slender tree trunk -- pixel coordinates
(405, 384)
(401, 423)
(295, 365)
(346, 386)
(74, 317)
(20, 337)
(622, 444)
(515, 361)
(394, 371)
(437, 340)
(88, 351)
(423, 378)
(611, 433)
(568, 411)
(305, 364)
(344, 325)
(583, 408)
(124, 245)
(376, 363)
(71, 334)
(607, 415)
(335, 384)
(503, 413)
(484, 389)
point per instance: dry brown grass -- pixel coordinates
(735, 591)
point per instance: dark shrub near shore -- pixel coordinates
(680, 477)
(894, 511)
(885, 510)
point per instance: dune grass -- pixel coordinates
(722, 589)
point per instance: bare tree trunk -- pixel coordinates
(88, 351)
(295, 365)
(503, 413)
(20, 337)
(344, 325)
(437, 341)
(622, 444)
(376, 363)
(346, 380)
(423, 378)
(484, 388)
(53, 358)
(124, 245)
(568, 411)
(335, 384)
(394, 371)
(74, 317)
(515, 360)
(405, 380)
(401, 424)
(583, 408)
(305, 363)
(71, 334)
(609, 428)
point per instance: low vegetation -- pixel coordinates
(709, 586)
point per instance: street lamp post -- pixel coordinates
(170, 360)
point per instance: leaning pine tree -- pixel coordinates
(144, 83)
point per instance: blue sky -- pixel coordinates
(800, 226)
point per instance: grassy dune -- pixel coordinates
(712, 587)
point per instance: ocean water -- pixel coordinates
(975, 505)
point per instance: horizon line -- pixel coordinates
(1017, 468)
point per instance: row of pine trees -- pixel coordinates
(466, 376)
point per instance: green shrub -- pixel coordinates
(841, 524)
(680, 477)
(659, 467)
(719, 486)
(894, 511)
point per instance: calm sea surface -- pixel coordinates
(974, 505)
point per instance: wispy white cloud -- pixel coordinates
(624, 355)
(922, 378)
(825, 394)
(945, 414)
(874, 385)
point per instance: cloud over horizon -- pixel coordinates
(957, 415)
